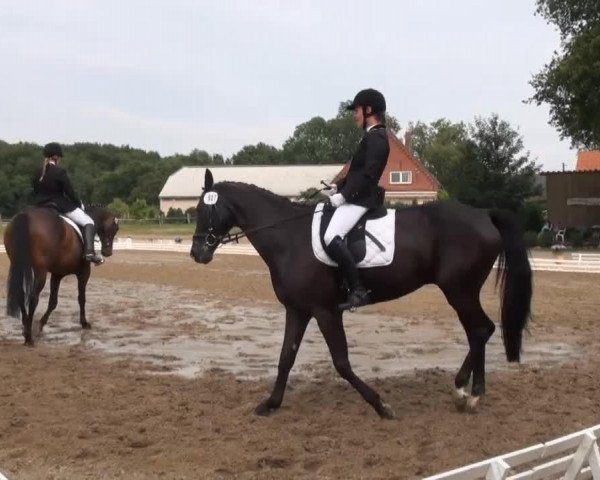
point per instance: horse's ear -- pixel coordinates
(208, 180)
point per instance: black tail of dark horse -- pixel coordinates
(20, 275)
(514, 275)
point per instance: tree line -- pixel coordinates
(482, 163)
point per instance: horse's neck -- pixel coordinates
(255, 210)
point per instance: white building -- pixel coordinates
(184, 188)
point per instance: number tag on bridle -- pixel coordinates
(210, 198)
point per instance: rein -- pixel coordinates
(216, 240)
(228, 238)
(211, 240)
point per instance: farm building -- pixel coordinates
(573, 197)
(405, 179)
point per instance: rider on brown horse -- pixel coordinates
(52, 187)
(359, 191)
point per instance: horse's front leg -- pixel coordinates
(332, 328)
(82, 279)
(295, 326)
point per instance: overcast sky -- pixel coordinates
(176, 75)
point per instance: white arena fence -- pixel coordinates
(574, 262)
(573, 457)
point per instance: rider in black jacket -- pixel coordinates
(52, 188)
(359, 190)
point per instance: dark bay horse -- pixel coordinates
(447, 244)
(39, 242)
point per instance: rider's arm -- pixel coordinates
(68, 189)
(376, 154)
(377, 151)
(340, 177)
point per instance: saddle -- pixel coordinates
(356, 238)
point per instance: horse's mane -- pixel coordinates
(94, 208)
(264, 191)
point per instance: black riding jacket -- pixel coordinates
(55, 188)
(361, 184)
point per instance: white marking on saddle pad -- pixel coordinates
(383, 229)
(74, 225)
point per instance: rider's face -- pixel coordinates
(358, 117)
(56, 159)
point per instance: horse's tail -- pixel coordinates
(20, 275)
(514, 276)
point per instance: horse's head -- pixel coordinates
(107, 226)
(214, 219)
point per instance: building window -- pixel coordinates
(401, 177)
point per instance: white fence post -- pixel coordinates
(575, 452)
(498, 470)
(595, 461)
(581, 456)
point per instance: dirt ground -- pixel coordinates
(164, 385)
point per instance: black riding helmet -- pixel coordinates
(52, 149)
(369, 97)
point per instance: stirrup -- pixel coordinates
(357, 298)
(94, 258)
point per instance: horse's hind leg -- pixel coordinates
(332, 328)
(295, 326)
(82, 279)
(479, 328)
(38, 286)
(53, 301)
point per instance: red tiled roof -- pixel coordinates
(588, 160)
(417, 162)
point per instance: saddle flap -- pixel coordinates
(371, 241)
(73, 225)
(355, 238)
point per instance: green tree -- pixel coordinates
(570, 83)
(259, 154)
(481, 164)
(441, 146)
(119, 208)
(176, 215)
(570, 16)
(321, 141)
(496, 171)
(139, 209)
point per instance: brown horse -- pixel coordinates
(39, 242)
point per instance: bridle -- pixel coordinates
(213, 240)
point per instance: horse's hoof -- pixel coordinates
(29, 343)
(387, 411)
(460, 399)
(264, 409)
(472, 404)
(86, 326)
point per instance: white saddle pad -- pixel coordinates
(74, 225)
(383, 229)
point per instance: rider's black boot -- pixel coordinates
(90, 255)
(359, 295)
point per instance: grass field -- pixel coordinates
(156, 230)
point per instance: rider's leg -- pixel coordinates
(344, 218)
(89, 232)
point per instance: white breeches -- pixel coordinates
(344, 218)
(79, 217)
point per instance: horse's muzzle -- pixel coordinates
(201, 253)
